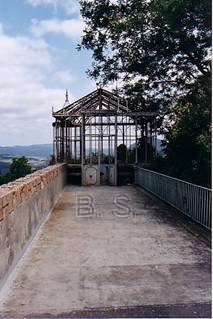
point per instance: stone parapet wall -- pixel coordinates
(24, 204)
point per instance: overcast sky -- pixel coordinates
(38, 61)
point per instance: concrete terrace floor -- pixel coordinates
(152, 263)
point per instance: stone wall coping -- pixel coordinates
(14, 193)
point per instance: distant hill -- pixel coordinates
(42, 150)
(37, 150)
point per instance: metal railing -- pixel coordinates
(192, 200)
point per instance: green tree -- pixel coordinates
(156, 47)
(122, 152)
(188, 141)
(160, 49)
(2, 179)
(19, 167)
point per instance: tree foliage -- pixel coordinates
(161, 52)
(18, 168)
(156, 47)
(122, 152)
(188, 142)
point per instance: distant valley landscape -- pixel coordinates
(38, 155)
(37, 150)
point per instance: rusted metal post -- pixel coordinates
(115, 151)
(136, 140)
(146, 142)
(99, 143)
(57, 142)
(53, 132)
(83, 141)
(66, 155)
(75, 149)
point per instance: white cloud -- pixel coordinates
(26, 97)
(70, 6)
(64, 76)
(71, 28)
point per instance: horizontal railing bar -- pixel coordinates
(192, 200)
(174, 178)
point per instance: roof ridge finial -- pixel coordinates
(67, 96)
